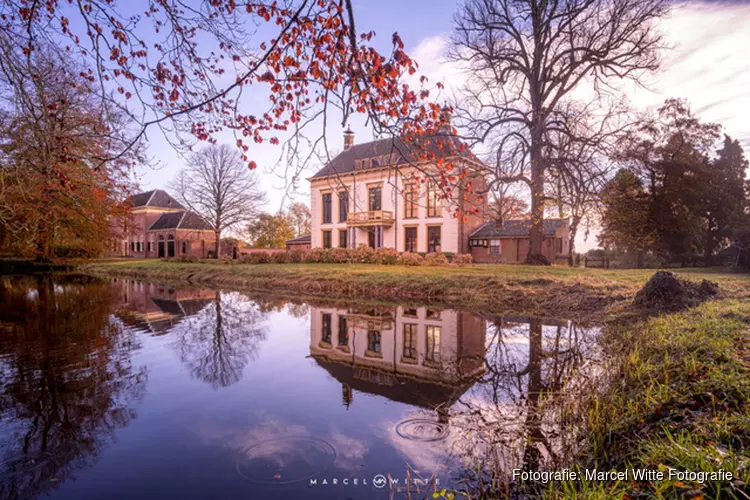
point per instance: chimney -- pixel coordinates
(348, 138)
(446, 117)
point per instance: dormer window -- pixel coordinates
(375, 162)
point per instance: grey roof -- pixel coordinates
(441, 146)
(307, 238)
(154, 198)
(180, 220)
(514, 228)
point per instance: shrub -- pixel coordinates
(462, 259)
(338, 255)
(297, 255)
(316, 255)
(259, 258)
(410, 259)
(226, 259)
(281, 257)
(186, 258)
(362, 255)
(385, 256)
(536, 259)
(436, 259)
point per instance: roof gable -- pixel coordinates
(180, 220)
(155, 198)
(393, 151)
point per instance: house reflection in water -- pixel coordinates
(417, 356)
(154, 308)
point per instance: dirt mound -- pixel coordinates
(536, 259)
(665, 291)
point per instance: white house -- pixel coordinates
(381, 194)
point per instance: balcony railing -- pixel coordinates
(369, 322)
(370, 218)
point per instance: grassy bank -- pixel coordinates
(679, 399)
(545, 291)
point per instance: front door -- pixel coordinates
(170, 247)
(161, 249)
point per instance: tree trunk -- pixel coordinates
(43, 238)
(536, 235)
(571, 249)
(709, 250)
(217, 243)
(639, 259)
(572, 242)
(533, 426)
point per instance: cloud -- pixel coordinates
(707, 64)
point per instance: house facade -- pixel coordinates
(380, 194)
(508, 242)
(158, 226)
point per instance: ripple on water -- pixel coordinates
(422, 429)
(286, 460)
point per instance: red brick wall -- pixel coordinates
(513, 250)
(298, 246)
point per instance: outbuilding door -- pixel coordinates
(170, 246)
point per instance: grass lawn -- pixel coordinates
(679, 399)
(552, 290)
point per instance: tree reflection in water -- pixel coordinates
(68, 381)
(524, 411)
(217, 343)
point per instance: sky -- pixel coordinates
(708, 64)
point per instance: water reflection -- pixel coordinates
(418, 356)
(410, 391)
(68, 382)
(524, 411)
(156, 309)
(217, 343)
(216, 334)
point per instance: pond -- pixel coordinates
(126, 389)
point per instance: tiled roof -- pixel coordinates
(154, 198)
(418, 392)
(514, 228)
(301, 239)
(441, 146)
(180, 220)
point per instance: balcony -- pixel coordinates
(371, 218)
(371, 322)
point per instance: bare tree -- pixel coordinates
(299, 217)
(218, 186)
(528, 59)
(579, 170)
